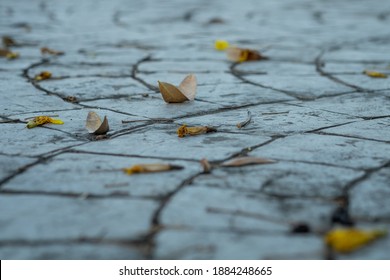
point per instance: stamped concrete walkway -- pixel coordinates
(314, 112)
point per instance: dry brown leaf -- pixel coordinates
(195, 130)
(154, 167)
(186, 91)
(46, 50)
(241, 161)
(95, 125)
(71, 99)
(8, 54)
(8, 41)
(374, 74)
(240, 55)
(44, 75)
(188, 86)
(206, 165)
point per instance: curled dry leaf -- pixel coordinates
(95, 125)
(195, 130)
(186, 91)
(240, 55)
(241, 161)
(41, 120)
(351, 239)
(8, 54)
(46, 50)
(153, 167)
(44, 75)
(374, 74)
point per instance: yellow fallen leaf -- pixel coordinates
(195, 130)
(95, 125)
(374, 74)
(154, 167)
(240, 55)
(221, 45)
(241, 161)
(41, 120)
(46, 50)
(348, 240)
(43, 76)
(186, 91)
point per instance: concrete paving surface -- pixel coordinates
(324, 123)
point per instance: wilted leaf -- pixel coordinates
(41, 120)
(206, 165)
(241, 161)
(43, 76)
(154, 167)
(374, 74)
(95, 125)
(195, 130)
(351, 239)
(8, 54)
(221, 45)
(186, 91)
(46, 50)
(240, 55)
(8, 41)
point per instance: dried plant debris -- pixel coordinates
(205, 165)
(149, 168)
(236, 54)
(71, 99)
(46, 50)
(246, 122)
(95, 125)
(41, 120)
(221, 45)
(8, 54)
(8, 41)
(375, 74)
(194, 130)
(44, 75)
(350, 239)
(300, 228)
(242, 161)
(186, 91)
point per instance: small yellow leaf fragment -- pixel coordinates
(195, 130)
(148, 168)
(43, 76)
(221, 45)
(348, 240)
(41, 120)
(374, 74)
